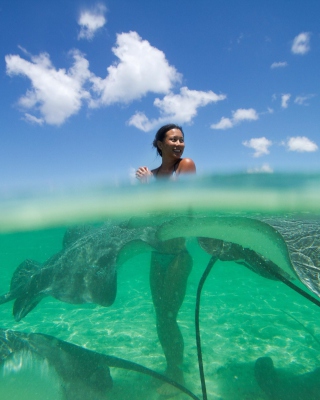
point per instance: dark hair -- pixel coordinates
(161, 134)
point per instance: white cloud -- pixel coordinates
(56, 94)
(142, 122)
(224, 123)
(91, 20)
(301, 144)
(265, 168)
(184, 105)
(33, 120)
(260, 145)
(302, 100)
(285, 99)
(242, 114)
(301, 43)
(280, 64)
(142, 68)
(180, 108)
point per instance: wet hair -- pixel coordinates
(161, 134)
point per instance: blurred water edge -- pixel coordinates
(224, 193)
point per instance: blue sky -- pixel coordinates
(85, 85)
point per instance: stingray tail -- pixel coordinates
(7, 297)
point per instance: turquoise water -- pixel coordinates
(243, 316)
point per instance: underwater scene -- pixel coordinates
(205, 289)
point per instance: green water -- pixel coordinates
(243, 316)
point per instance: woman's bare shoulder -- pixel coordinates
(186, 165)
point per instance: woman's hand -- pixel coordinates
(143, 174)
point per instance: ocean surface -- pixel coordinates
(243, 315)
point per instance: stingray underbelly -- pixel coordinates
(91, 285)
(246, 232)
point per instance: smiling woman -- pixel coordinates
(169, 142)
(170, 267)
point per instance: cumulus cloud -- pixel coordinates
(265, 168)
(280, 64)
(224, 123)
(301, 144)
(58, 93)
(142, 68)
(285, 99)
(242, 114)
(301, 43)
(55, 93)
(91, 21)
(181, 108)
(260, 145)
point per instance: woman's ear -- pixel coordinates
(159, 144)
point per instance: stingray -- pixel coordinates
(84, 271)
(289, 247)
(79, 370)
(227, 251)
(282, 385)
(84, 374)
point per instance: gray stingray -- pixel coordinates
(292, 245)
(84, 271)
(227, 251)
(302, 238)
(84, 373)
(281, 385)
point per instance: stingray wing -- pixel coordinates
(302, 237)
(132, 249)
(246, 232)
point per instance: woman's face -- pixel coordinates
(172, 145)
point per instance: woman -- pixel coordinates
(171, 264)
(169, 142)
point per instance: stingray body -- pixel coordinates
(84, 374)
(84, 271)
(227, 251)
(281, 385)
(302, 238)
(290, 246)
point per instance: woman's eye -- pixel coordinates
(177, 140)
